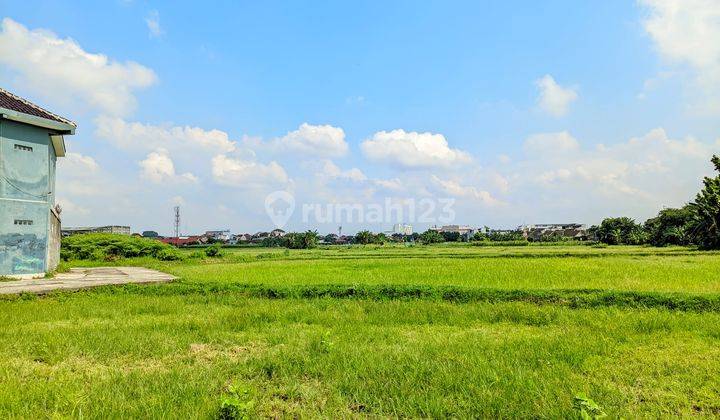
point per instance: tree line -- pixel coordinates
(696, 223)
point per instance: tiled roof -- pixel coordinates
(16, 103)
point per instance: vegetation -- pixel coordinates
(377, 331)
(670, 227)
(431, 237)
(306, 240)
(107, 247)
(705, 225)
(620, 231)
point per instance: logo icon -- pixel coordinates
(279, 206)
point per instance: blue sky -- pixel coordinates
(522, 112)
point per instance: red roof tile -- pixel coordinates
(16, 103)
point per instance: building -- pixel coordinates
(31, 141)
(119, 230)
(219, 235)
(184, 240)
(554, 231)
(402, 229)
(461, 229)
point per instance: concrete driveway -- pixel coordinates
(83, 278)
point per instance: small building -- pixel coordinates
(402, 229)
(118, 230)
(31, 140)
(554, 231)
(219, 235)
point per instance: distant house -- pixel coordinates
(184, 240)
(461, 229)
(243, 238)
(118, 230)
(550, 231)
(219, 235)
(277, 233)
(31, 140)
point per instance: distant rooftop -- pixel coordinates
(15, 103)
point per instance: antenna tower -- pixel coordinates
(177, 224)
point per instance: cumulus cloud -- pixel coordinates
(153, 24)
(551, 143)
(455, 189)
(647, 171)
(61, 71)
(78, 164)
(139, 136)
(247, 174)
(686, 34)
(554, 99)
(687, 31)
(331, 170)
(413, 150)
(159, 168)
(322, 141)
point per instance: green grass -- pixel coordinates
(439, 331)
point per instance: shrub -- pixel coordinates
(214, 250)
(431, 237)
(108, 247)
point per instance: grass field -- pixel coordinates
(438, 331)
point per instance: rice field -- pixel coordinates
(438, 331)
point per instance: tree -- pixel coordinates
(451, 236)
(670, 227)
(704, 227)
(620, 231)
(364, 237)
(431, 237)
(303, 240)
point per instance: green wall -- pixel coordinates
(26, 194)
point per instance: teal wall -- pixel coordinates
(27, 186)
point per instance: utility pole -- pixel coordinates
(177, 225)
(339, 231)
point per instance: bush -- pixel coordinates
(431, 237)
(108, 247)
(214, 250)
(302, 240)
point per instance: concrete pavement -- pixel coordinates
(83, 278)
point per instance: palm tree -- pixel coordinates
(705, 226)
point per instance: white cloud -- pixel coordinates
(322, 141)
(78, 164)
(70, 207)
(247, 174)
(413, 150)
(153, 24)
(331, 170)
(551, 143)
(554, 99)
(646, 172)
(159, 168)
(61, 71)
(455, 189)
(389, 184)
(687, 32)
(138, 136)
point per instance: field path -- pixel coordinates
(83, 278)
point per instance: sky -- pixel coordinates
(471, 112)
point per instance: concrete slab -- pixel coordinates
(83, 278)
